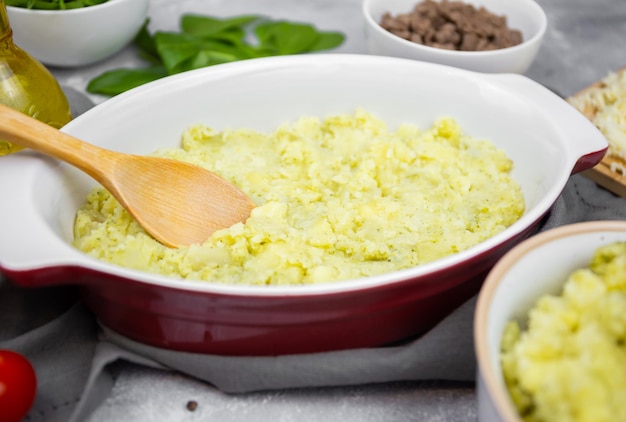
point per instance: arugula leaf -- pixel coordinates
(53, 4)
(207, 41)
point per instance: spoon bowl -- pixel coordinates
(178, 203)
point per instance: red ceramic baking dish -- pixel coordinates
(545, 137)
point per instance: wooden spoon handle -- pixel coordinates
(23, 130)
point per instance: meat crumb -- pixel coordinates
(452, 25)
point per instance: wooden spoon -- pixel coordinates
(178, 203)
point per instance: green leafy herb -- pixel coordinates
(115, 81)
(53, 4)
(206, 41)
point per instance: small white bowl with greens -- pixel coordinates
(70, 33)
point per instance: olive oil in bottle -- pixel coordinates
(27, 85)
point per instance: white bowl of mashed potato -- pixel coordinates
(550, 326)
(385, 188)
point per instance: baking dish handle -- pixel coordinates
(586, 144)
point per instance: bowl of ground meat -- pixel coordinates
(385, 189)
(549, 328)
(481, 35)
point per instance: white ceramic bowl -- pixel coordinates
(524, 15)
(545, 136)
(535, 267)
(77, 37)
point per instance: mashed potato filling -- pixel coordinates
(570, 363)
(338, 198)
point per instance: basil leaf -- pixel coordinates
(286, 37)
(175, 48)
(206, 41)
(178, 51)
(208, 58)
(328, 41)
(234, 36)
(210, 27)
(115, 82)
(146, 45)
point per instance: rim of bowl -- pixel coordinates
(501, 400)
(77, 11)
(535, 38)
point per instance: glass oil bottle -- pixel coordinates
(27, 85)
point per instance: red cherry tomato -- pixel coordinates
(18, 385)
